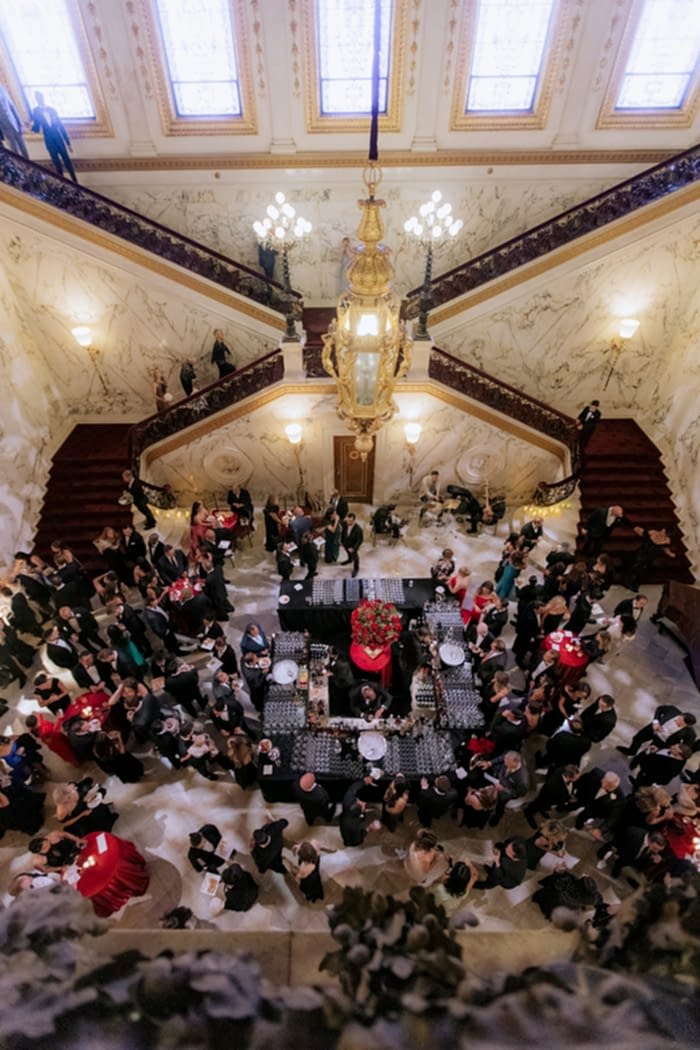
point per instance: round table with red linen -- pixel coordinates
(112, 871)
(374, 661)
(177, 589)
(573, 661)
(93, 704)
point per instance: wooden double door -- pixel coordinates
(352, 476)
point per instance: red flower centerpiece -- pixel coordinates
(375, 624)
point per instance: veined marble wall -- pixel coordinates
(31, 427)
(221, 213)
(137, 320)
(255, 452)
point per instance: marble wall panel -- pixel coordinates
(255, 452)
(221, 215)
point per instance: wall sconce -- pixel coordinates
(295, 432)
(628, 327)
(83, 337)
(412, 432)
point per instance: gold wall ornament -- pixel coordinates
(366, 349)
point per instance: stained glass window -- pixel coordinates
(664, 56)
(345, 34)
(200, 53)
(41, 44)
(508, 53)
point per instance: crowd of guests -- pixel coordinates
(119, 639)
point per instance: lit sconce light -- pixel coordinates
(412, 432)
(627, 329)
(294, 433)
(82, 334)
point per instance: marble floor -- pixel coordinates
(158, 813)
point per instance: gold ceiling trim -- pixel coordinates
(101, 126)
(391, 159)
(326, 388)
(315, 121)
(642, 119)
(174, 126)
(582, 245)
(139, 256)
(558, 47)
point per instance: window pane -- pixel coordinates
(345, 32)
(201, 59)
(39, 38)
(663, 57)
(508, 53)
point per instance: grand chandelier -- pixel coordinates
(367, 349)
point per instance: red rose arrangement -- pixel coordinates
(375, 623)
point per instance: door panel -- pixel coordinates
(354, 478)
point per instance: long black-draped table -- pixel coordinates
(323, 607)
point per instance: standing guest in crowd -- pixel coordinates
(172, 564)
(308, 555)
(599, 718)
(203, 844)
(602, 802)
(654, 542)
(669, 726)
(338, 504)
(352, 540)
(240, 502)
(188, 376)
(274, 527)
(240, 888)
(550, 837)
(429, 495)
(369, 700)
(396, 799)
(11, 124)
(425, 861)
(50, 692)
(285, 565)
(240, 756)
(112, 757)
(557, 792)
(255, 640)
(300, 524)
(443, 567)
(531, 533)
(511, 570)
(59, 650)
(255, 672)
(435, 800)
(221, 355)
(313, 799)
(21, 613)
(509, 866)
(56, 138)
(659, 766)
(138, 495)
(160, 391)
(332, 529)
(308, 873)
(266, 845)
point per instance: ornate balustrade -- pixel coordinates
(615, 203)
(85, 204)
(224, 392)
(500, 396)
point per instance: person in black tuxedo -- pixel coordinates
(337, 503)
(201, 853)
(56, 139)
(239, 500)
(567, 746)
(313, 799)
(352, 541)
(557, 792)
(599, 525)
(631, 608)
(602, 802)
(59, 650)
(138, 495)
(587, 420)
(435, 800)
(659, 767)
(509, 867)
(22, 616)
(266, 845)
(172, 564)
(158, 620)
(89, 674)
(219, 353)
(369, 700)
(79, 626)
(599, 718)
(669, 726)
(130, 619)
(642, 850)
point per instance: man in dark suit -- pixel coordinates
(659, 766)
(23, 618)
(266, 847)
(369, 700)
(138, 495)
(567, 746)
(59, 650)
(509, 867)
(141, 706)
(586, 422)
(88, 675)
(599, 718)
(79, 626)
(600, 525)
(201, 853)
(528, 629)
(510, 777)
(631, 608)
(494, 660)
(669, 726)
(435, 800)
(531, 533)
(337, 503)
(56, 138)
(507, 730)
(352, 541)
(601, 800)
(640, 849)
(172, 564)
(557, 792)
(158, 620)
(313, 799)
(215, 585)
(130, 619)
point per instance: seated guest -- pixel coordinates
(203, 843)
(240, 502)
(443, 568)
(368, 700)
(97, 672)
(384, 521)
(211, 630)
(240, 888)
